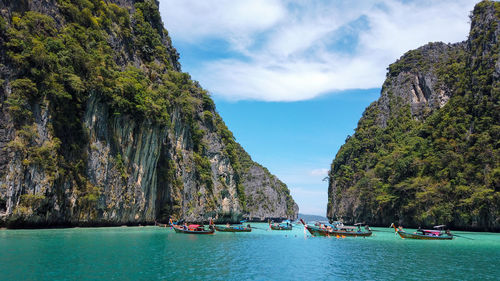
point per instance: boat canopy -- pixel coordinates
(434, 232)
(322, 222)
(348, 227)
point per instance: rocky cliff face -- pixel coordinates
(414, 80)
(259, 188)
(98, 126)
(426, 151)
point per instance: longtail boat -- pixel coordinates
(285, 225)
(425, 234)
(337, 230)
(233, 228)
(193, 228)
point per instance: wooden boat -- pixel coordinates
(233, 228)
(193, 229)
(425, 234)
(337, 230)
(281, 227)
(286, 225)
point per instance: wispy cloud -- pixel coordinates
(319, 172)
(306, 186)
(295, 50)
(234, 21)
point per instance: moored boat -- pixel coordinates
(337, 230)
(284, 225)
(193, 228)
(425, 234)
(233, 228)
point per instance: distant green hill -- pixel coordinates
(312, 217)
(427, 151)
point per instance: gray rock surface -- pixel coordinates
(416, 82)
(135, 171)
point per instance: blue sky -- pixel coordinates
(291, 78)
(297, 141)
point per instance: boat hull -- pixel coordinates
(279, 227)
(182, 230)
(406, 235)
(232, 229)
(334, 233)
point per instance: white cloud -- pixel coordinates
(306, 186)
(296, 50)
(319, 172)
(233, 21)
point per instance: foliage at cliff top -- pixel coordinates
(61, 63)
(444, 169)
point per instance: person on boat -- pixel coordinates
(227, 225)
(367, 228)
(185, 226)
(420, 231)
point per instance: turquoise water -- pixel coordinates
(153, 253)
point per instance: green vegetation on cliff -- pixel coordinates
(60, 65)
(55, 61)
(442, 168)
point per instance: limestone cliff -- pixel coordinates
(99, 126)
(426, 152)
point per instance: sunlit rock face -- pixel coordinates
(425, 152)
(99, 126)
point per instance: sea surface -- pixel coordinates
(156, 253)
